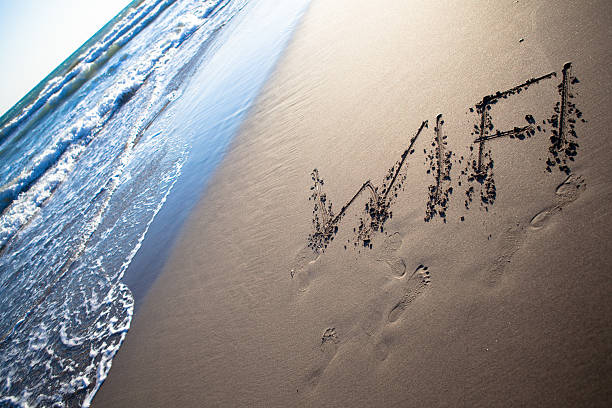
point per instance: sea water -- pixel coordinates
(130, 127)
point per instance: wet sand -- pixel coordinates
(472, 270)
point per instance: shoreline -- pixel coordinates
(226, 111)
(489, 306)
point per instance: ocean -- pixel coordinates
(100, 165)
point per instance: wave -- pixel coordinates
(60, 87)
(99, 169)
(49, 168)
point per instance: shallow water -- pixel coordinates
(132, 124)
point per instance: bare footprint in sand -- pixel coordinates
(570, 189)
(329, 336)
(388, 255)
(509, 242)
(329, 347)
(541, 219)
(381, 348)
(393, 242)
(566, 192)
(512, 238)
(373, 315)
(398, 267)
(302, 269)
(415, 285)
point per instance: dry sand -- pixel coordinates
(510, 307)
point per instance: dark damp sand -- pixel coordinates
(510, 307)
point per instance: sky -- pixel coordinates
(38, 35)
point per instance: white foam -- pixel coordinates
(59, 157)
(98, 228)
(121, 33)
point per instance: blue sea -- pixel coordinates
(100, 165)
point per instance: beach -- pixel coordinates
(472, 270)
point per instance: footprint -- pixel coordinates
(304, 277)
(387, 254)
(509, 242)
(387, 341)
(569, 190)
(393, 242)
(381, 349)
(398, 267)
(329, 347)
(397, 310)
(377, 320)
(566, 192)
(414, 287)
(329, 336)
(312, 378)
(541, 219)
(373, 315)
(389, 247)
(302, 269)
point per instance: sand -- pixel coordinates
(507, 306)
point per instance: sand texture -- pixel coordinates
(452, 247)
